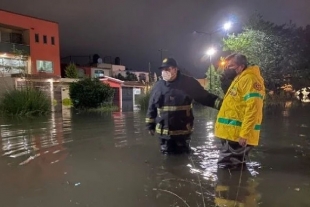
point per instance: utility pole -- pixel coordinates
(210, 72)
(211, 51)
(161, 53)
(149, 72)
(207, 33)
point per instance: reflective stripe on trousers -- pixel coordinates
(174, 132)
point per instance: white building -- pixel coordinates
(105, 69)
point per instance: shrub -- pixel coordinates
(67, 102)
(104, 108)
(90, 93)
(143, 100)
(25, 102)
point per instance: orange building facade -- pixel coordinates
(37, 39)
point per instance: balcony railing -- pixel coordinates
(7, 47)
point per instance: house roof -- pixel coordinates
(108, 78)
(133, 84)
(2, 10)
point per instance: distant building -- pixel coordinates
(37, 38)
(110, 70)
(100, 70)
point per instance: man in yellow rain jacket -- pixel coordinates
(239, 119)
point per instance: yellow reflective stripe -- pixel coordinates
(175, 132)
(175, 108)
(253, 95)
(149, 120)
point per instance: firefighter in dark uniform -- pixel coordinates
(169, 111)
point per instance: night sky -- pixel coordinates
(134, 30)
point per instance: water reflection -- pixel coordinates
(127, 128)
(236, 189)
(39, 137)
(92, 159)
(177, 187)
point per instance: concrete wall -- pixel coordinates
(104, 66)
(116, 68)
(6, 83)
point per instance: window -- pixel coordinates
(53, 40)
(99, 73)
(45, 66)
(44, 39)
(10, 66)
(16, 38)
(36, 37)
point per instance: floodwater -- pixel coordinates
(94, 160)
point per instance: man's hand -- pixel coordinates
(151, 132)
(242, 142)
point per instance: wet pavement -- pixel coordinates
(108, 159)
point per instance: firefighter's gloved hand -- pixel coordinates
(151, 132)
(218, 103)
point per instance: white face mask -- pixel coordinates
(166, 75)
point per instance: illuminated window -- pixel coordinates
(99, 73)
(45, 66)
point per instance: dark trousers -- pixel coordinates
(175, 144)
(232, 154)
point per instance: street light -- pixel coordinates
(227, 26)
(210, 52)
(223, 63)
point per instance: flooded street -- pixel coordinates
(108, 159)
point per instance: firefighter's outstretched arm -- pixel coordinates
(151, 112)
(199, 94)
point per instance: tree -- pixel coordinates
(277, 49)
(119, 77)
(260, 48)
(71, 71)
(214, 83)
(90, 93)
(129, 77)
